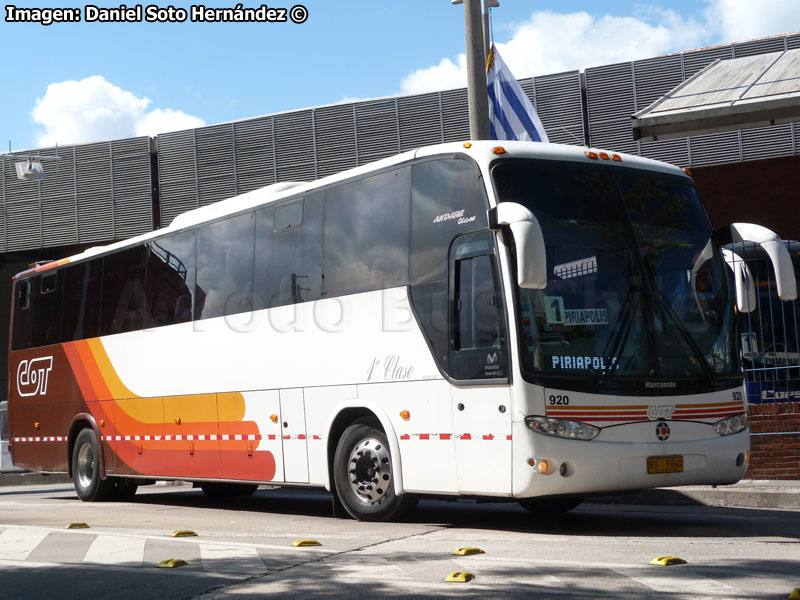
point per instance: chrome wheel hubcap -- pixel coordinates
(86, 466)
(370, 471)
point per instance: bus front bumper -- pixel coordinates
(606, 464)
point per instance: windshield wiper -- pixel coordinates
(698, 353)
(616, 344)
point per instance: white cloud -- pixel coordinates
(161, 121)
(738, 20)
(93, 109)
(445, 75)
(550, 42)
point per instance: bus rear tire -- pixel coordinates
(86, 470)
(364, 475)
(228, 490)
(549, 506)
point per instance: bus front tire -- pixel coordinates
(364, 475)
(86, 470)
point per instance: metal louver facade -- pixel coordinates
(94, 193)
(197, 166)
(102, 192)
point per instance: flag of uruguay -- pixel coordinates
(511, 114)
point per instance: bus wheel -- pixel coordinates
(364, 475)
(228, 490)
(86, 470)
(552, 505)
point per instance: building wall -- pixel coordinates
(774, 451)
(766, 192)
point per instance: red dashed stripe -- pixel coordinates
(169, 438)
(447, 436)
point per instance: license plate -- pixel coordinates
(664, 464)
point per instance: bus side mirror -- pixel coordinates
(778, 253)
(742, 280)
(528, 241)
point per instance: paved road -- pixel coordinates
(243, 549)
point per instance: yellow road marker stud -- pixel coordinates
(303, 543)
(183, 533)
(467, 550)
(459, 577)
(666, 561)
(171, 563)
(795, 595)
(78, 526)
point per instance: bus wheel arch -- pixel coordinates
(85, 462)
(343, 417)
(79, 423)
(364, 467)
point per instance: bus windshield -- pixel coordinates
(637, 294)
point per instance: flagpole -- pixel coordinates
(477, 98)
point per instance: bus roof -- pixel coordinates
(483, 152)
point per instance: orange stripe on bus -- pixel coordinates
(93, 371)
(109, 375)
(82, 376)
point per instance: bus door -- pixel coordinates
(479, 365)
(293, 428)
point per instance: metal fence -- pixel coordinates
(770, 344)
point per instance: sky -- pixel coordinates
(78, 82)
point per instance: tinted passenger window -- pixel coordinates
(448, 199)
(289, 216)
(477, 323)
(289, 258)
(123, 291)
(46, 327)
(23, 315)
(170, 280)
(366, 234)
(225, 267)
(81, 308)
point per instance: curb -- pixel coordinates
(708, 496)
(28, 478)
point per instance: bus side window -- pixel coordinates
(80, 317)
(46, 326)
(448, 199)
(288, 265)
(366, 234)
(23, 316)
(225, 252)
(170, 280)
(123, 291)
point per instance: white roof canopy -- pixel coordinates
(752, 91)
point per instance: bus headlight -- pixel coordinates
(733, 424)
(563, 428)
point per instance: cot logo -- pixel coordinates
(656, 412)
(32, 376)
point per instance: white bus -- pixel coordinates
(524, 321)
